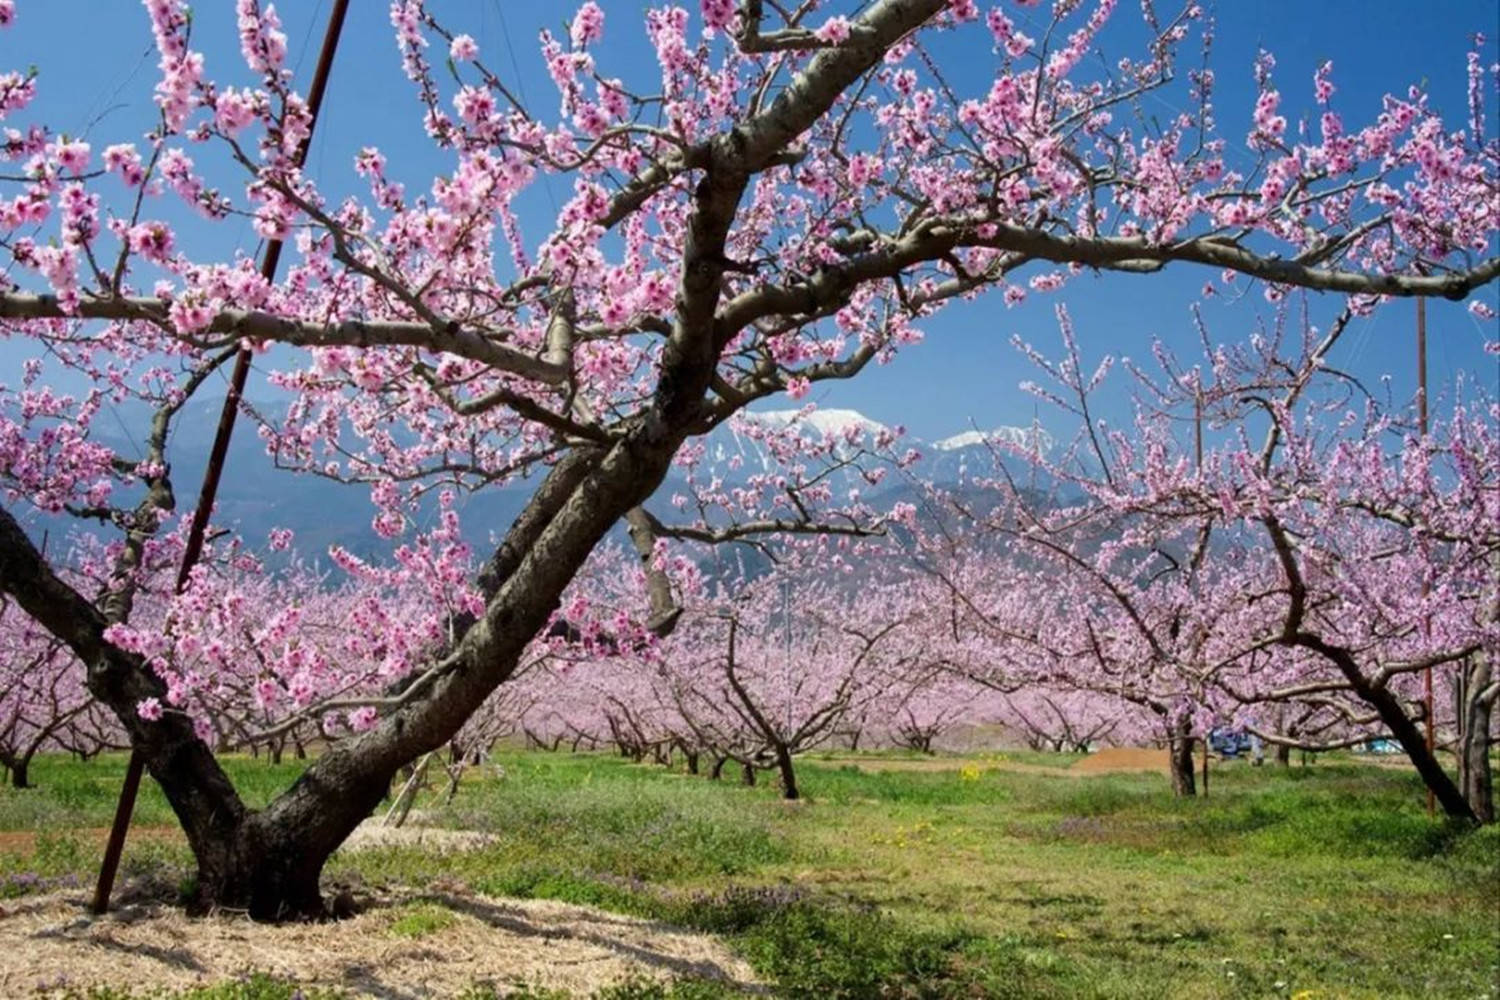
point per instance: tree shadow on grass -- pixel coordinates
(597, 933)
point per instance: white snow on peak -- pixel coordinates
(1021, 436)
(963, 440)
(831, 422)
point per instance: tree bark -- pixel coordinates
(1405, 731)
(1180, 752)
(1475, 776)
(1392, 713)
(747, 775)
(788, 775)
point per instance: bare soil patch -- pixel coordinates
(1119, 760)
(48, 942)
(24, 841)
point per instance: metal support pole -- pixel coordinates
(193, 549)
(1198, 431)
(1422, 428)
(1198, 465)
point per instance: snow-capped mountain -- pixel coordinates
(744, 437)
(830, 422)
(973, 453)
(257, 502)
(841, 423)
(1017, 436)
(740, 448)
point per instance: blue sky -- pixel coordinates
(98, 68)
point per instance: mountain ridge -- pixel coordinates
(255, 503)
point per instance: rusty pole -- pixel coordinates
(211, 475)
(1198, 464)
(1422, 428)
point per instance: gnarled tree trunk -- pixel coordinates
(268, 862)
(1180, 758)
(1476, 709)
(788, 775)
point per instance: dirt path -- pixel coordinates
(1123, 760)
(435, 944)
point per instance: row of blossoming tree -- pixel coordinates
(1296, 580)
(790, 198)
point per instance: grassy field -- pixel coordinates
(1309, 883)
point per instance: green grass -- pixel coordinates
(932, 884)
(422, 920)
(68, 793)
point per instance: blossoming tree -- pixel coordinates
(1322, 566)
(787, 201)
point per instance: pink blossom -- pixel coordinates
(717, 14)
(587, 26)
(123, 159)
(463, 48)
(73, 156)
(833, 31)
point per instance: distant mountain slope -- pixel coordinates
(255, 497)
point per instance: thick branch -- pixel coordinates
(267, 326)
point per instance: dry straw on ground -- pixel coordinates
(49, 942)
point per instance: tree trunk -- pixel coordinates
(692, 761)
(1475, 777)
(1180, 753)
(1406, 732)
(747, 774)
(788, 776)
(1283, 755)
(268, 862)
(717, 771)
(20, 769)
